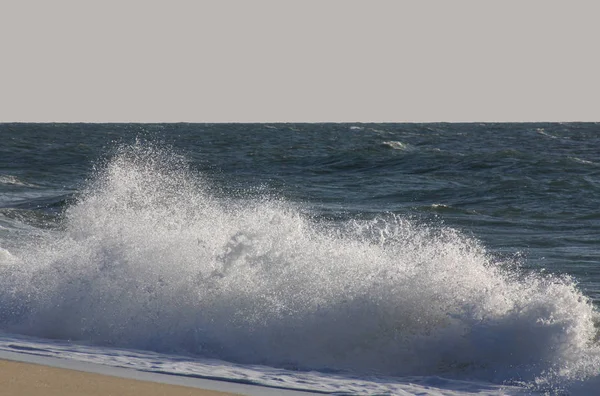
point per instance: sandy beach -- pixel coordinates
(18, 378)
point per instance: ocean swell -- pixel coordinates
(150, 257)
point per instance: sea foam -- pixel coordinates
(151, 257)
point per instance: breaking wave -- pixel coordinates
(150, 257)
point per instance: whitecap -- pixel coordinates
(543, 132)
(582, 161)
(397, 145)
(13, 180)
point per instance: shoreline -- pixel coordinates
(19, 378)
(29, 374)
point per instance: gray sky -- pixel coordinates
(301, 60)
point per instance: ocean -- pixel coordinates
(348, 259)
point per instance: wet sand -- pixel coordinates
(18, 378)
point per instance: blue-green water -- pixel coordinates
(451, 237)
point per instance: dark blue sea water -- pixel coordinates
(460, 251)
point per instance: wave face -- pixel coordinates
(150, 257)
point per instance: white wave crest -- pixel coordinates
(149, 258)
(13, 180)
(396, 145)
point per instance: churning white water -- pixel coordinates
(149, 257)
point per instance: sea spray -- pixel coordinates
(151, 257)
